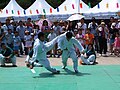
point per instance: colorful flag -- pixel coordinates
(65, 8)
(18, 12)
(117, 5)
(81, 5)
(12, 12)
(57, 9)
(50, 10)
(6, 11)
(107, 5)
(30, 11)
(98, 5)
(73, 6)
(37, 11)
(89, 4)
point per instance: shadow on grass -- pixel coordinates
(69, 72)
(44, 75)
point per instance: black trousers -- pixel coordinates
(102, 44)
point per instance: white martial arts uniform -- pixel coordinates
(68, 48)
(89, 61)
(39, 53)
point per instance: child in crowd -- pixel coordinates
(50, 37)
(117, 45)
(80, 37)
(28, 42)
(90, 56)
(16, 43)
(89, 37)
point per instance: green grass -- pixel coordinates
(90, 78)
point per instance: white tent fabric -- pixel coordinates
(39, 7)
(75, 17)
(71, 7)
(12, 9)
(106, 6)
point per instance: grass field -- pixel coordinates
(98, 77)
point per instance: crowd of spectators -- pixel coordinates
(20, 36)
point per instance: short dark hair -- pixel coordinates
(69, 34)
(2, 44)
(40, 34)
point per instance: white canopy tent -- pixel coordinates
(71, 7)
(106, 6)
(40, 7)
(12, 9)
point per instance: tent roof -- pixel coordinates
(12, 9)
(39, 7)
(106, 6)
(71, 7)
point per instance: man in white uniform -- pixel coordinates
(67, 43)
(39, 52)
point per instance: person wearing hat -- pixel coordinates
(50, 37)
(102, 38)
(67, 43)
(28, 42)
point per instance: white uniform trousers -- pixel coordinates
(2, 60)
(66, 54)
(89, 60)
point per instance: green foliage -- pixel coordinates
(54, 3)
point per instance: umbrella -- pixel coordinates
(75, 17)
(40, 22)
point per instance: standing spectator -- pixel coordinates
(7, 26)
(103, 36)
(21, 31)
(45, 28)
(50, 37)
(2, 34)
(82, 25)
(16, 43)
(28, 42)
(80, 38)
(117, 44)
(56, 28)
(36, 31)
(89, 38)
(65, 26)
(112, 34)
(9, 38)
(93, 26)
(29, 23)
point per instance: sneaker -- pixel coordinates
(14, 65)
(57, 72)
(2, 65)
(63, 67)
(105, 55)
(76, 71)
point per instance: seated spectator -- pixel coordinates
(90, 57)
(7, 55)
